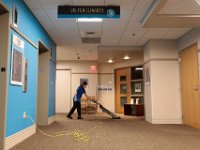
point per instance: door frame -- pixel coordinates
(4, 86)
(198, 60)
(37, 100)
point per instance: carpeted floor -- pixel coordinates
(129, 133)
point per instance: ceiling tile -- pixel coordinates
(88, 2)
(156, 33)
(112, 33)
(92, 26)
(68, 34)
(33, 3)
(175, 33)
(65, 25)
(70, 41)
(110, 41)
(54, 3)
(127, 42)
(40, 14)
(48, 25)
(114, 25)
(137, 16)
(134, 26)
(181, 7)
(142, 41)
(138, 33)
(124, 4)
(144, 4)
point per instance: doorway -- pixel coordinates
(4, 55)
(63, 91)
(43, 85)
(189, 74)
(123, 91)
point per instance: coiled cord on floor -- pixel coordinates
(76, 134)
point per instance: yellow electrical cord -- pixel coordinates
(76, 134)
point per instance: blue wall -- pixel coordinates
(19, 102)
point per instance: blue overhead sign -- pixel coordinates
(88, 11)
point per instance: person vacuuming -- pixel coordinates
(77, 100)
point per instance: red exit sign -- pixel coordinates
(93, 69)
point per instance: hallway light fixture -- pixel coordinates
(198, 2)
(89, 20)
(110, 61)
(126, 57)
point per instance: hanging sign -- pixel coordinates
(88, 11)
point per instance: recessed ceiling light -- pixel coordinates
(110, 61)
(89, 20)
(126, 57)
(198, 1)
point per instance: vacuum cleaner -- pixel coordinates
(113, 116)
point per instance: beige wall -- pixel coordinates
(162, 95)
(4, 55)
(43, 91)
(147, 94)
(80, 69)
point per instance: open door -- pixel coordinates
(4, 55)
(189, 74)
(43, 85)
(123, 91)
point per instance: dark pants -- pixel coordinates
(75, 105)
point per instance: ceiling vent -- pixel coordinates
(90, 37)
(94, 40)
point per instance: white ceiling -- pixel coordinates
(184, 7)
(114, 32)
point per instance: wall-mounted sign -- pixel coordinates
(104, 88)
(16, 70)
(17, 60)
(88, 11)
(18, 42)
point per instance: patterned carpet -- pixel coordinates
(128, 133)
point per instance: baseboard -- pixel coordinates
(17, 138)
(167, 121)
(51, 120)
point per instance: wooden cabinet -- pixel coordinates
(133, 109)
(88, 107)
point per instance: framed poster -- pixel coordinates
(84, 80)
(16, 65)
(137, 88)
(147, 76)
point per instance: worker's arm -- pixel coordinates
(86, 96)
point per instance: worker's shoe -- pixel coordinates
(69, 117)
(79, 117)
